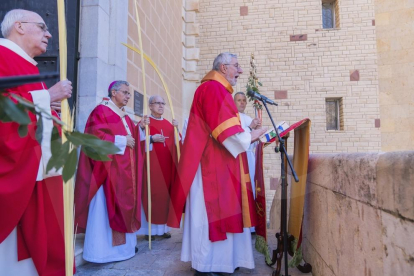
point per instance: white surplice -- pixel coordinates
(251, 154)
(221, 256)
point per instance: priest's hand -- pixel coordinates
(145, 121)
(130, 141)
(61, 90)
(158, 138)
(255, 124)
(256, 133)
(175, 123)
(56, 106)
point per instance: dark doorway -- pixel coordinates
(47, 9)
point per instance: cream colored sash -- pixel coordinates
(120, 112)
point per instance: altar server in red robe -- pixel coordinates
(31, 200)
(108, 193)
(213, 172)
(163, 162)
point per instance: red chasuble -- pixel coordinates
(163, 160)
(121, 178)
(35, 207)
(226, 183)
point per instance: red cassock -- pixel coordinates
(121, 178)
(35, 207)
(163, 162)
(214, 118)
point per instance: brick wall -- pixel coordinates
(162, 28)
(311, 70)
(395, 42)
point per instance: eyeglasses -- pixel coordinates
(159, 103)
(41, 25)
(126, 93)
(235, 65)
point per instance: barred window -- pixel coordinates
(334, 114)
(330, 14)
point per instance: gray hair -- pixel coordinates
(152, 98)
(9, 19)
(239, 93)
(115, 86)
(223, 58)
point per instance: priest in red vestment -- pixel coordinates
(31, 199)
(108, 193)
(213, 178)
(163, 162)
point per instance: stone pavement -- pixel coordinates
(164, 260)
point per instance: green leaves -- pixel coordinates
(12, 112)
(70, 165)
(98, 148)
(63, 155)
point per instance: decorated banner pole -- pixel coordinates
(68, 187)
(147, 141)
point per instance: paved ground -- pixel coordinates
(164, 260)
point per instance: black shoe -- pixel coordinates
(166, 235)
(147, 238)
(136, 250)
(199, 273)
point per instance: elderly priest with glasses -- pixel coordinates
(31, 199)
(163, 162)
(213, 178)
(108, 193)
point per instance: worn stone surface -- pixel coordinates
(355, 176)
(395, 174)
(398, 245)
(316, 224)
(164, 260)
(360, 224)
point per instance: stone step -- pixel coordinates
(79, 250)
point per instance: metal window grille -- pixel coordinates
(328, 15)
(332, 114)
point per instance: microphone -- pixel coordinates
(260, 97)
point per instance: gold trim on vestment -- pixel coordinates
(234, 121)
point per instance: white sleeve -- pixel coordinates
(238, 143)
(142, 138)
(121, 143)
(184, 131)
(141, 134)
(41, 98)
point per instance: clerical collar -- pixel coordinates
(16, 48)
(155, 118)
(121, 108)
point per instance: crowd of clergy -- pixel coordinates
(207, 182)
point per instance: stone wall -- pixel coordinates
(359, 214)
(300, 65)
(103, 26)
(162, 25)
(395, 43)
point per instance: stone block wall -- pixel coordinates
(296, 56)
(103, 26)
(395, 43)
(162, 31)
(359, 214)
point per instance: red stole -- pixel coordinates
(163, 162)
(35, 207)
(121, 177)
(213, 118)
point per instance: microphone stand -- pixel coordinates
(282, 238)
